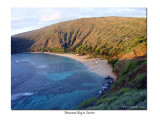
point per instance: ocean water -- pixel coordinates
(43, 82)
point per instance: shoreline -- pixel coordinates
(96, 65)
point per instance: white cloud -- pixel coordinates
(52, 17)
(141, 16)
(20, 30)
(40, 17)
(40, 23)
(15, 19)
(128, 10)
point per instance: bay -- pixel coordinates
(49, 82)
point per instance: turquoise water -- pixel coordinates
(43, 81)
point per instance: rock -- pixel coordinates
(107, 85)
(107, 77)
(103, 87)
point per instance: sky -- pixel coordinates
(26, 19)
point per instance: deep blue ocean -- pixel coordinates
(43, 81)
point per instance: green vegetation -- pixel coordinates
(120, 40)
(109, 37)
(55, 50)
(20, 45)
(134, 99)
(129, 91)
(132, 74)
(87, 103)
(124, 90)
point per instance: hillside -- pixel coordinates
(122, 37)
(128, 92)
(120, 40)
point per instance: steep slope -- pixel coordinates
(129, 91)
(122, 37)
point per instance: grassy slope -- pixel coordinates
(128, 91)
(121, 40)
(121, 37)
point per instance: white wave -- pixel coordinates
(17, 61)
(18, 95)
(23, 61)
(42, 66)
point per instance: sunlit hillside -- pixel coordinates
(123, 37)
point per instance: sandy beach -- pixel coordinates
(96, 65)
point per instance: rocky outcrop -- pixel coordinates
(106, 86)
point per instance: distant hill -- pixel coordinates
(121, 37)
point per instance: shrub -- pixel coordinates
(120, 80)
(130, 65)
(86, 103)
(123, 90)
(112, 61)
(116, 65)
(140, 81)
(129, 100)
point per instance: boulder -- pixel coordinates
(106, 86)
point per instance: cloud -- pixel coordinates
(15, 19)
(141, 16)
(52, 17)
(40, 23)
(22, 18)
(20, 30)
(128, 10)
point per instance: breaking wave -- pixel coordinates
(18, 95)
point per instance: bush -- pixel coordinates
(112, 61)
(129, 100)
(133, 99)
(86, 103)
(130, 65)
(116, 65)
(123, 90)
(120, 80)
(140, 81)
